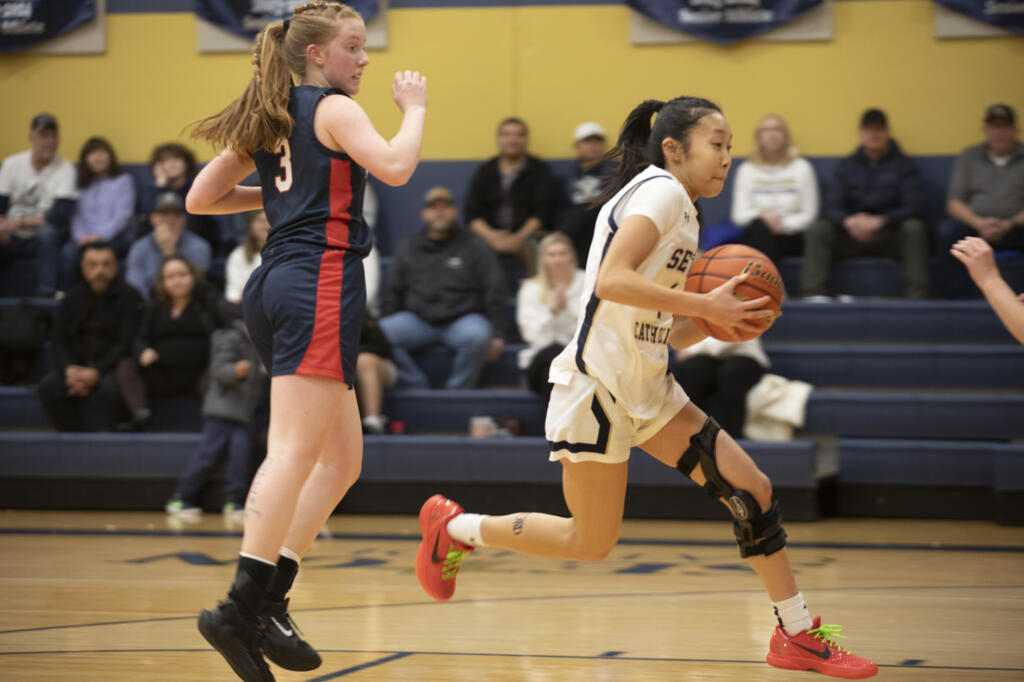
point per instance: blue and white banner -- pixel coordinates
(723, 21)
(26, 23)
(1006, 14)
(248, 17)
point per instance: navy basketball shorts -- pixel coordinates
(304, 311)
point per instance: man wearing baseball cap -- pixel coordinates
(589, 174)
(444, 287)
(874, 209)
(168, 237)
(985, 198)
(37, 198)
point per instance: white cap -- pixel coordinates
(588, 129)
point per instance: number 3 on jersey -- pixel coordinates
(284, 183)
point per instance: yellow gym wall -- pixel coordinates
(554, 66)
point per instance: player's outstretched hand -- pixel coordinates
(976, 254)
(725, 310)
(409, 90)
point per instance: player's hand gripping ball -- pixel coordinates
(722, 263)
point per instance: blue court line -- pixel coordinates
(392, 656)
(396, 537)
(557, 597)
(362, 666)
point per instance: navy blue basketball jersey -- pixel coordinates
(311, 194)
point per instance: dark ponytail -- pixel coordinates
(639, 143)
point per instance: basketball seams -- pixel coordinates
(767, 283)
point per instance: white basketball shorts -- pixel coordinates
(585, 424)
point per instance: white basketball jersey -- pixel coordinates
(624, 347)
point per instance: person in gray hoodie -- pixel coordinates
(236, 374)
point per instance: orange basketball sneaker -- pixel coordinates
(439, 556)
(816, 649)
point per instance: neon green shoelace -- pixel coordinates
(452, 562)
(828, 634)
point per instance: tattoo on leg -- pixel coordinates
(517, 524)
(251, 512)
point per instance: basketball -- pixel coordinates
(719, 265)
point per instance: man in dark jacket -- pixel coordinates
(444, 286)
(873, 208)
(95, 325)
(512, 198)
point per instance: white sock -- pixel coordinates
(466, 529)
(792, 614)
(374, 421)
(287, 553)
(256, 558)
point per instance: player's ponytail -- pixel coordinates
(639, 143)
(631, 149)
(259, 118)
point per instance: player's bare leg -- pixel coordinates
(798, 642)
(302, 409)
(335, 471)
(595, 494)
(739, 469)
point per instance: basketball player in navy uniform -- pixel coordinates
(612, 390)
(312, 146)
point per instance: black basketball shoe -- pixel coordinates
(237, 639)
(282, 642)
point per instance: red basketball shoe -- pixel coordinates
(439, 556)
(816, 649)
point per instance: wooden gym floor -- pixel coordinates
(114, 596)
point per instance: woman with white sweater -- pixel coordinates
(246, 256)
(546, 309)
(775, 196)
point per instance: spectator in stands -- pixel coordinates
(375, 372)
(105, 208)
(589, 173)
(986, 197)
(37, 196)
(444, 287)
(547, 307)
(236, 375)
(95, 326)
(172, 349)
(246, 256)
(512, 198)
(717, 376)
(168, 237)
(775, 196)
(173, 168)
(873, 208)
(976, 254)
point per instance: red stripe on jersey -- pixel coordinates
(341, 202)
(323, 355)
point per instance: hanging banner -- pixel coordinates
(246, 18)
(26, 23)
(1005, 14)
(723, 21)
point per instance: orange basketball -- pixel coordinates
(719, 265)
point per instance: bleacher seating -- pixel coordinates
(919, 399)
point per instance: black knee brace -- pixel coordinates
(756, 532)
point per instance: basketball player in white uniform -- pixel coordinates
(612, 390)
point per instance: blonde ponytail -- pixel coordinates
(259, 119)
